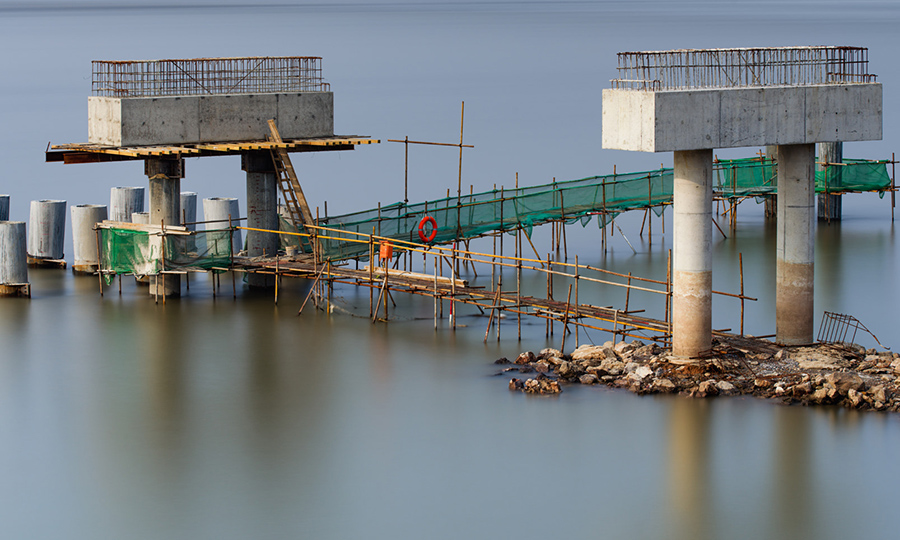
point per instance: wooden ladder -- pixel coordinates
(294, 200)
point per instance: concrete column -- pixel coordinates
(84, 237)
(218, 210)
(124, 201)
(165, 208)
(47, 233)
(262, 211)
(13, 261)
(794, 244)
(771, 207)
(691, 253)
(4, 207)
(189, 209)
(142, 218)
(830, 205)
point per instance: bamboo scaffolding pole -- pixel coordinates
(562, 347)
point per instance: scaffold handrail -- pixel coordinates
(747, 67)
(199, 76)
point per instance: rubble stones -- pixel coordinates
(850, 377)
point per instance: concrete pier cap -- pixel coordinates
(685, 100)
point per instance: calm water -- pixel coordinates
(235, 418)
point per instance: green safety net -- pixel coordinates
(755, 177)
(472, 215)
(127, 251)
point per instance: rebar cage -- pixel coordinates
(244, 75)
(736, 68)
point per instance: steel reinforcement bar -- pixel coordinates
(197, 76)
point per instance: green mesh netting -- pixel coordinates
(755, 177)
(126, 251)
(576, 200)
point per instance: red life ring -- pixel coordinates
(427, 239)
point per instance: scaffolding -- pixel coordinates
(200, 76)
(737, 68)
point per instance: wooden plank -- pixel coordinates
(177, 229)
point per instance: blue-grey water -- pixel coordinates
(235, 418)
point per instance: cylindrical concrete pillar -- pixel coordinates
(262, 211)
(13, 261)
(144, 219)
(692, 254)
(165, 209)
(189, 209)
(830, 153)
(217, 210)
(124, 201)
(47, 229)
(84, 237)
(4, 207)
(795, 244)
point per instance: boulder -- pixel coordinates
(568, 370)
(854, 397)
(501, 361)
(842, 382)
(525, 358)
(664, 385)
(612, 367)
(725, 387)
(878, 393)
(802, 389)
(542, 367)
(708, 388)
(588, 378)
(547, 353)
(591, 352)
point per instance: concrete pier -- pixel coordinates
(794, 316)
(218, 210)
(165, 209)
(189, 209)
(47, 229)
(830, 205)
(124, 201)
(4, 207)
(84, 237)
(13, 260)
(262, 211)
(692, 256)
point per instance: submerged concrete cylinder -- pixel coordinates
(692, 254)
(189, 209)
(217, 210)
(262, 211)
(4, 207)
(795, 242)
(47, 222)
(165, 209)
(124, 201)
(84, 237)
(13, 261)
(830, 205)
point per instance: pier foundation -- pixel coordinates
(794, 284)
(124, 201)
(4, 207)
(692, 256)
(165, 209)
(84, 237)
(262, 211)
(47, 230)
(13, 260)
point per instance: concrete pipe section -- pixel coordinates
(4, 207)
(794, 244)
(692, 255)
(189, 209)
(47, 229)
(124, 201)
(13, 260)
(142, 218)
(218, 210)
(84, 237)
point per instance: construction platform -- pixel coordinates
(97, 153)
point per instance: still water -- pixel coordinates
(235, 418)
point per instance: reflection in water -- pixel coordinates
(793, 495)
(689, 469)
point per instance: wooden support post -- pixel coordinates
(741, 265)
(576, 300)
(562, 347)
(99, 261)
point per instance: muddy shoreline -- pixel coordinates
(847, 375)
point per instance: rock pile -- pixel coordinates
(846, 376)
